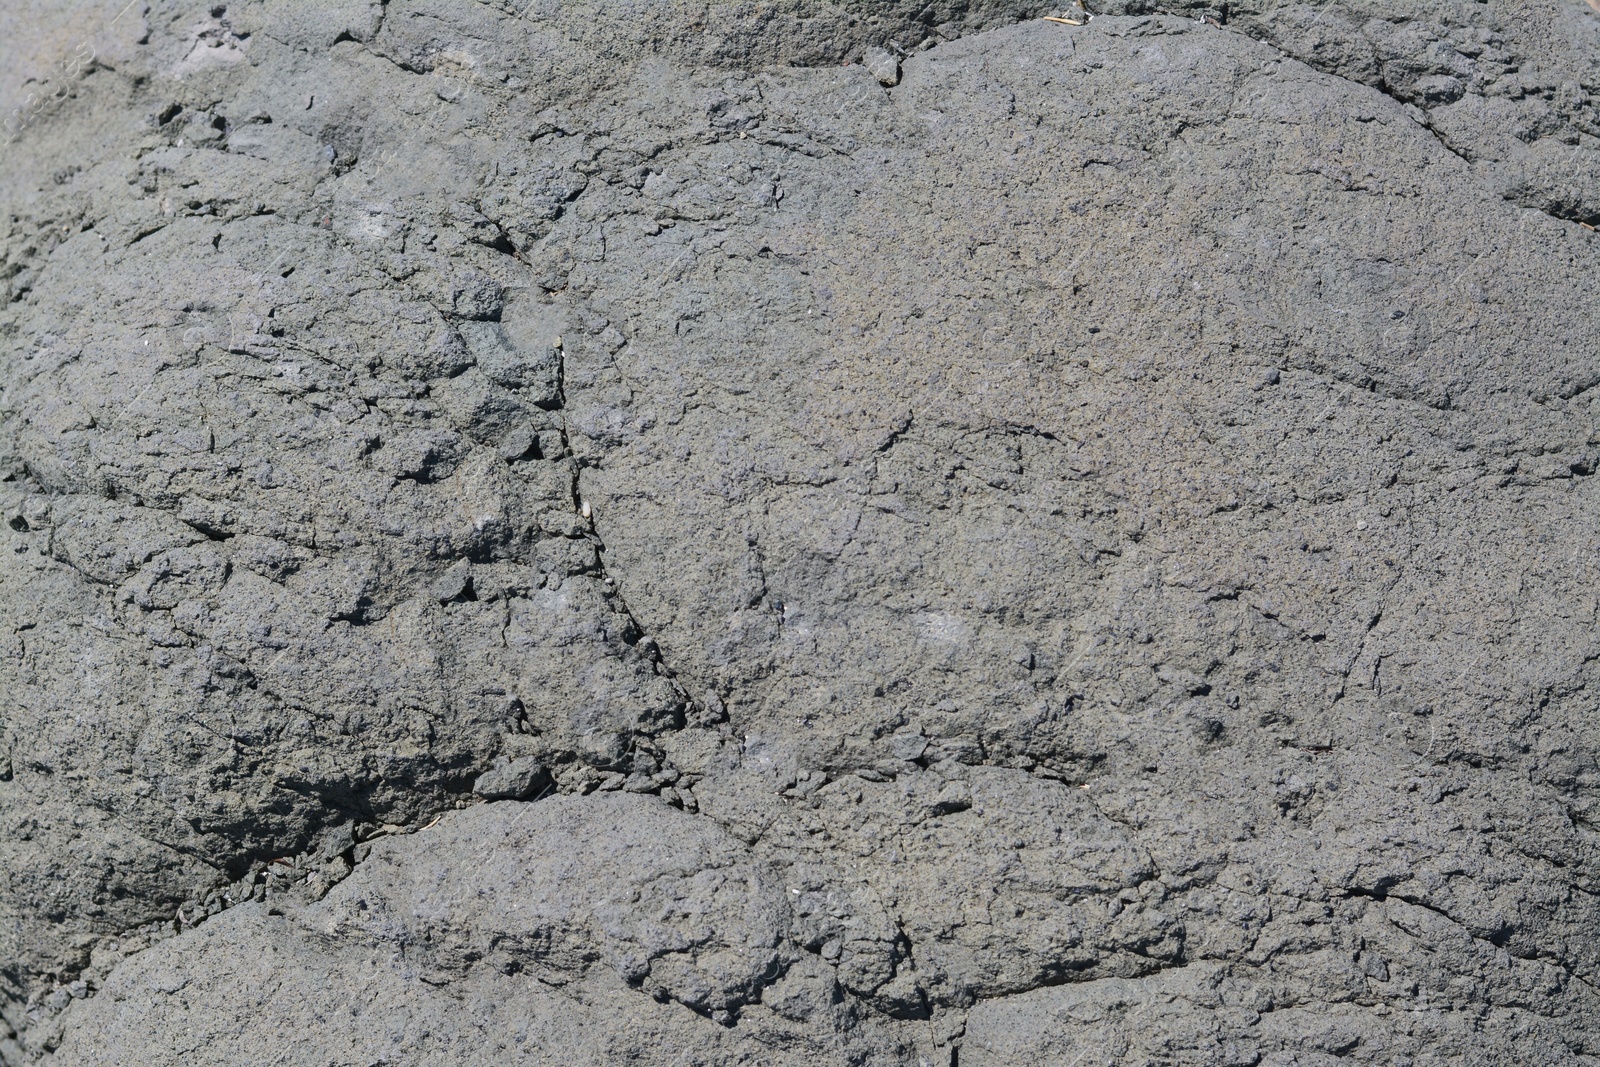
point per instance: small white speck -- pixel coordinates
(1362, 525)
(586, 509)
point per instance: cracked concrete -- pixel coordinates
(594, 534)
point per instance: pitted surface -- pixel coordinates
(1077, 547)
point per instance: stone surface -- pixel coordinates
(510, 779)
(502, 935)
(1084, 554)
(882, 64)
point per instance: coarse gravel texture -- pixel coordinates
(800, 532)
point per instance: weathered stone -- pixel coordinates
(1091, 537)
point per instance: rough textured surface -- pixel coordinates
(625, 533)
(524, 937)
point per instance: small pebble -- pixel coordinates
(883, 66)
